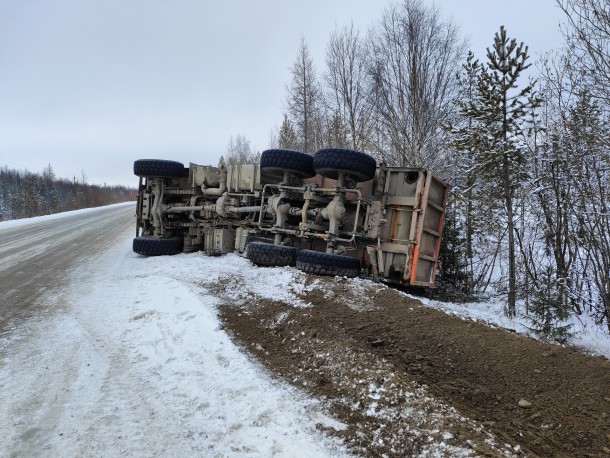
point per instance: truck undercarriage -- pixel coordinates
(334, 213)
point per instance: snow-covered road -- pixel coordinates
(135, 363)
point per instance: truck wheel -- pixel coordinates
(275, 161)
(154, 246)
(329, 161)
(319, 263)
(158, 168)
(267, 254)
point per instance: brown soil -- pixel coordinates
(401, 376)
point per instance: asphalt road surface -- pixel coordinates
(36, 258)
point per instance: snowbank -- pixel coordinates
(587, 336)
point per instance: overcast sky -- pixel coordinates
(92, 85)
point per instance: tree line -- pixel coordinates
(522, 144)
(25, 194)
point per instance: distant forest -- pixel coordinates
(27, 194)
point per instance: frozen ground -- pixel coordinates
(132, 361)
(587, 335)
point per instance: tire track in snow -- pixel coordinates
(37, 258)
(133, 361)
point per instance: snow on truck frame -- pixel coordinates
(333, 213)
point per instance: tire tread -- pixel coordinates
(153, 246)
(274, 161)
(158, 168)
(328, 161)
(320, 263)
(267, 254)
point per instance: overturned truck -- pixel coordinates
(334, 213)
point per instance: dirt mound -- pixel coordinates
(402, 376)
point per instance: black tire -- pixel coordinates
(154, 246)
(329, 161)
(267, 254)
(275, 161)
(319, 263)
(158, 168)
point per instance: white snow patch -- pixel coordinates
(239, 277)
(140, 366)
(588, 336)
(38, 219)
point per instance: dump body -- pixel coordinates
(391, 223)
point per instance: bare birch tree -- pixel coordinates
(572, 168)
(589, 174)
(347, 82)
(239, 151)
(586, 33)
(414, 56)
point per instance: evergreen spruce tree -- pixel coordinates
(464, 175)
(499, 109)
(287, 138)
(304, 101)
(548, 310)
(50, 190)
(453, 275)
(337, 134)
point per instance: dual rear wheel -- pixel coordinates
(264, 254)
(310, 261)
(328, 162)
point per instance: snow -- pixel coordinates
(38, 219)
(136, 346)
(586, 335)
(285, 284)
